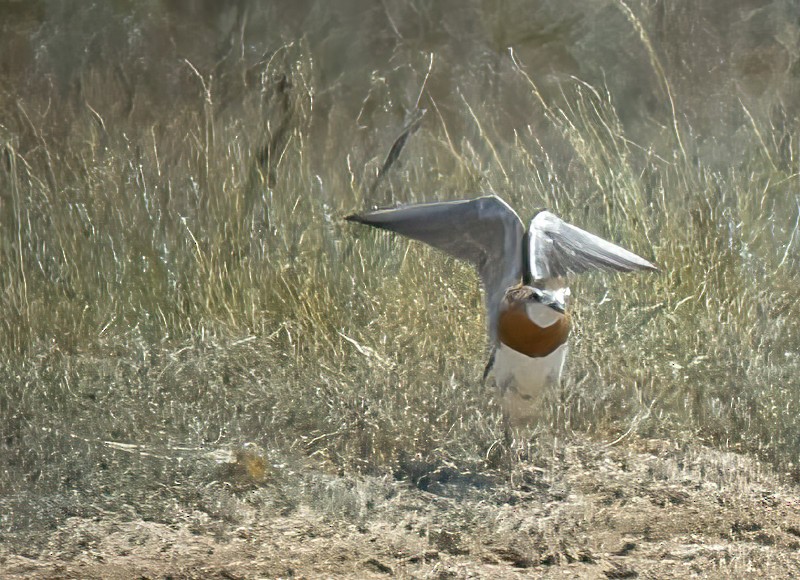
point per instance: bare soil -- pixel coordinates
(646, 509)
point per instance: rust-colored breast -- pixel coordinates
(519, 332)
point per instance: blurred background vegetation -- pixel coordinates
(177, 279)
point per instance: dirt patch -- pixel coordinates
(645, 510)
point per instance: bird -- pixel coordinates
(524, 277)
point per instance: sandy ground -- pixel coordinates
(647, 509)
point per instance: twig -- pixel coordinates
(791, 239)
(413, 121)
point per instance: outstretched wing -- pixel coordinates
(485, 232)
(558, 248)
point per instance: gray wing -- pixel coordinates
(485, 232)
(558, 248)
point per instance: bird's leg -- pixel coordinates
(489, 365)
(507, 436)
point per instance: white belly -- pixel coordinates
(523, 381)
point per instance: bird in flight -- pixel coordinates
(523, 273)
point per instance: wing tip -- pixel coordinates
(356, 218)
(648, 265)
(638, 265)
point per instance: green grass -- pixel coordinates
(178, 276)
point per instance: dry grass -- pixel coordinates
(177, 279)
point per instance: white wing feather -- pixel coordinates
(558, 248)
